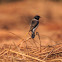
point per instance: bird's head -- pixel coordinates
(37, 17)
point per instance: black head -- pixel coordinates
(37, 17)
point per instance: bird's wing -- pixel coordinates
(33, 24)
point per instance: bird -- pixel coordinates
(34, 24)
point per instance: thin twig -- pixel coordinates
(17, 48)
(15, 34)
(34, 42)
(39, 39)
(56, 59)
(49, 53)
(27, 56)
(58, 48)
(5, 51)
(26, 47)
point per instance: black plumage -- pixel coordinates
(34, 24)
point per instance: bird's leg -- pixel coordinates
(39, 39)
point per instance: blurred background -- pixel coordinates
(15, 19)
(16, 15)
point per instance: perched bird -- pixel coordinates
(34, 24)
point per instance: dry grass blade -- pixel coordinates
(39, 40)
(17, 49)
(4, 52)
(56, 44)
(16, 46)
(30, 41)
(34, 42)
(49, 54)
(58, 48)
(24, 37)
(16, 58)
(26, 47)
(27, 55)
(18, 37)
(15, 35)
(56, 59)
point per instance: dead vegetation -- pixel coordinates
(30, 52)
(16, 44)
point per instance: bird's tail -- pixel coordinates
(33, 35)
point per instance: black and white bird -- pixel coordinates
(34, 25)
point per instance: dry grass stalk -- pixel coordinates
(4, 52)
(56, 59)
(26, 55)
(49, 54)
